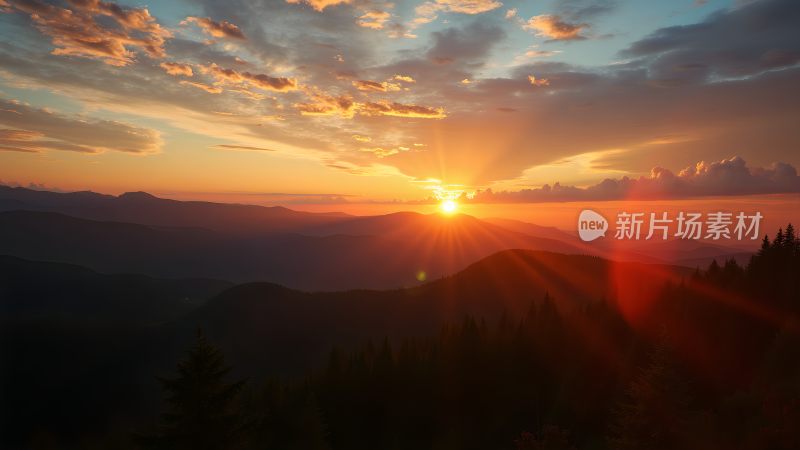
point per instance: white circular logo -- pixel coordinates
(591, 225)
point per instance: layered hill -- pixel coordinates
(146, 209)
(31, 290)
(411, 244)
(61, 319)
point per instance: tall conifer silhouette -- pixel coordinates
(202, 413)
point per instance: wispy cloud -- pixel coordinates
(427, 12)
(258, 80)
(203, 86)
(75, 31)
(385, 108)
(176, 69)
(320, 5)
(30, 129)
(377, 86)
(374, 19)
(555, 28)
(344, 106)
(242, 147)
(223, 29)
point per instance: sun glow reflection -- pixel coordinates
(448, 207)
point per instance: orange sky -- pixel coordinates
(332, 101)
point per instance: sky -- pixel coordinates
(344, 102)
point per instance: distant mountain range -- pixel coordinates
(140, 233)
(431, 244)
(146, 209)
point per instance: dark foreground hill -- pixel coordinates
(73, 342)
(40, 290)
(296, 329)
(556, 339)
(72, 376)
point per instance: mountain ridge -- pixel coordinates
(332, 262)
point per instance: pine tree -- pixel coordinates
(778, 241)
(201, 414)
(790, 240)
(313, 435)
(779, 386)
(713, 269)
(655, 413)
(764, 246)
(788, 236)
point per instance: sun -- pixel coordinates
(448, 207)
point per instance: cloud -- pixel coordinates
(680, 84)
(203, 86)
(199, 53)
(19, 140)
(469, 44)
(286, 198)
(360, 138)
(242, 147)
(32, 185)
(584, 9)
(29, 129)
(366, 85)
(374, 19)
(466, 6)
(534, 53)
(380, 152)
(261, 81)
(216, 29)
(384, 108)
(330, 105)
(582, 111)
(138, 19)
(538, 82)
(719, 178)
(175, 69)
(76, 32)
(751, 39)
(147, 92)
(541, 53)
(404, 78)
(397, 30)
(427, 12)
(320, 5)
(555, 28)
(321, 104)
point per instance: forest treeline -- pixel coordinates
(713, 362)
